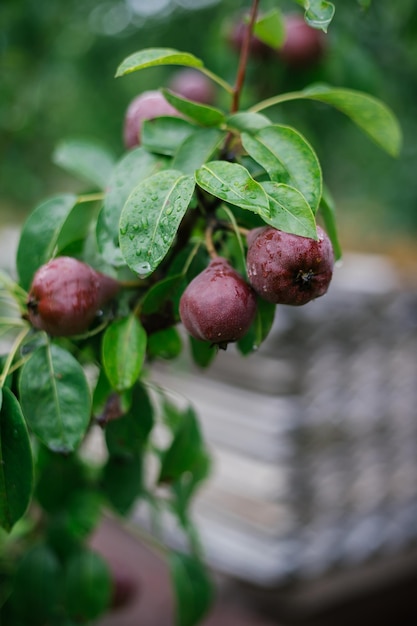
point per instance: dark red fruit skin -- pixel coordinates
(146, 106)
(193, 85)
(65, 296)
(125, 586)
(288, 269)
(218, 305)
(258, 48)
(303, 45)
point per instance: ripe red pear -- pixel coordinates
(289, 269)
(218, 305)
(146, 106)
(193, 85)
(303, 45)
(66, 295)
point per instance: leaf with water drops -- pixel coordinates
(198, 148)
(289, 210)
(232, 183)
(135, 166)
(318, 13)
(288, 158)
(151, 217)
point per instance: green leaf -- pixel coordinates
(16, 466)
(88, 585)
(165, 134)
(53, 471)
(328, 212)
(184, 451)
(122, 481)
(202, 352)
(160, 293)
(55, 397)
(87, 160)
(202, 113)
(249, 122)
(165, 344)
(270, 28)
(196, 149)
(135, 166)
(123, 351)
(152, 57)
(39, 235)
(232, 183)
(151, 217)
(289, 210)
(37, 586)
(318, 13)
(126, 436)
(288, 158)
(193, 589)
(260, 328)
(369, 113)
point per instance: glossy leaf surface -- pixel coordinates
(288, 158)
(151, 57)
(123, 351)
(151, 217)
(196, 149)
(16, 466)
(289, 210)
(134, 167)
(55, 397)
(40, 234)
(202, 113)
(232, 183)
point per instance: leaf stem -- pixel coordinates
(285, 97)
(90, 197)
(217, 79)
(208, 238)
(244, 55)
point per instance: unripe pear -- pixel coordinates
(218, 305)
(66, 295)
(289, 269)
(146, 106)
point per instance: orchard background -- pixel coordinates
(58, 92)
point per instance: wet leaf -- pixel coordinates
(289, 210)
(55, 397)
(135, 166)
(288, 158)
(232, 183)
(151, 217)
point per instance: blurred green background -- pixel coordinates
(58, 61)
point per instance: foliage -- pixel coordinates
(151, 218)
